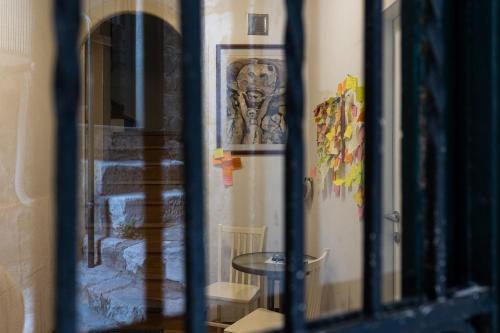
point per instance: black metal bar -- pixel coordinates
(435, 87)
(191, 21)
(67, 90)
(495, 141)
(294, 170)
(90, 195)
(429, 317)
(414, 183)
(373, 161)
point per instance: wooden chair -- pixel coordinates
(236, 288)
(262, 320)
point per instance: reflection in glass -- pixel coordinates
(133, 267)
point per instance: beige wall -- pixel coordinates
(334, 48)
(388, 3)
(256, 198)
(26, 158)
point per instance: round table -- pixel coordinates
(255, 263)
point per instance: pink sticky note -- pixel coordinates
(336, 189)
(313, 172)
(361, 212)
(228, 176)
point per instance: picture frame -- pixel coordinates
(250, 99)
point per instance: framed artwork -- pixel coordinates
(251, 99)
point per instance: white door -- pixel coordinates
(392, 218)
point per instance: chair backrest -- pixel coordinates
(313, 285)
(239, 240)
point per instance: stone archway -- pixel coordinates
(97, 11)
(115, 62)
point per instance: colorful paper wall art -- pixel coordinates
(228, 163)
(340, 140)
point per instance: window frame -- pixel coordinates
(433, 300)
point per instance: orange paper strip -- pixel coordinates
(237, 163)
(228, 176)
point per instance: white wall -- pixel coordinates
(334, 48)
(334, 30)
(256, 198)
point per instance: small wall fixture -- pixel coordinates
(258, 24)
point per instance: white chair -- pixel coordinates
(236, 288)
(262, 320)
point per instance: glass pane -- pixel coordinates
(244, 115)
(131, 272)
(26, 166)
(392, 220)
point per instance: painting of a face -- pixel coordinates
(255, 91)
(251, 109)
(257, 81)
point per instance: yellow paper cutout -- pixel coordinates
(360, 94)
(351, 82)
(338, 182)
(330, 135)
(219, 153)
(358, 197)
(348, 132)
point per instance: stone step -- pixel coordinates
(172, 151)
(91, 321)
(129, 256)
(119, 172)
(133, 138)
(118, 297)
(125, 215)
(151, 188)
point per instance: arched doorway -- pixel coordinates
(133, 246)
(135, 73)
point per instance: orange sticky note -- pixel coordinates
(237, 163)
(348, 158)
(361, 117)
(217, 162)
(227, 156)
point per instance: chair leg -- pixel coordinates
(219, 318)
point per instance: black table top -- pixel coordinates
(255, 263)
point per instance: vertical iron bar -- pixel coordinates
(414, 182)
(90, 150)
(192, 130)
(495, 103)
(67, 83)
(294, 171)
(373, 171)
(435, 87)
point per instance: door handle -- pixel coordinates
(395, 216)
